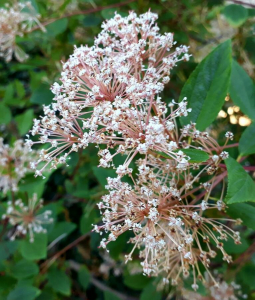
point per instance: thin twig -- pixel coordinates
(247, 168)
(99, 284)
(219, 179)
(244, 258)
(245, 3)
(82, 12)
(45, 265)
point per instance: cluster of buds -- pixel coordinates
(27, 219)
(110, 96)
(16, 20)
(14, 164)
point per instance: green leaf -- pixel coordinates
(247, 276)
(89, 217)
(7, 248)
(47, 295)
(207, 87)
(60, 282)
(57, 27)
(42, 95)
(25, 121)
(108, 13)
(236, 15)
(102, 174)
(24, 269)
(9, 95)
(84, 277)
(91, 20)
(120, 245)
(150, 292)
(195, 155)
(244, 211)
(242, 90)
(5, 114)
(136, 282)
(7, 284)
(61, 228)
(19, 89)
(24, 293)
(35, 250)
(241, 187)
(32, 184)
(110, 296)
(231, 248)
(247, 141)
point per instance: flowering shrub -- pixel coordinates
(171, 174)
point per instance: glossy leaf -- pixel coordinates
(241, 187)
(207, 87)
(242, 90)
(247, 141)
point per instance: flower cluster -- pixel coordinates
(110, 96)
(16, 20)
(14, 164)
(26, 219)
(171, 228)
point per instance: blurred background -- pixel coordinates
(75, 268)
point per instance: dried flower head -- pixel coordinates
(16, 20)
(27, 219)
(14, 164)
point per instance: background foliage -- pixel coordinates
(66, 263)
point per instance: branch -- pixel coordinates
(247, 168)
(99, 284)
(218, 179)
(245, 257)
(82, 12)
(45, 265)
(246, 3)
